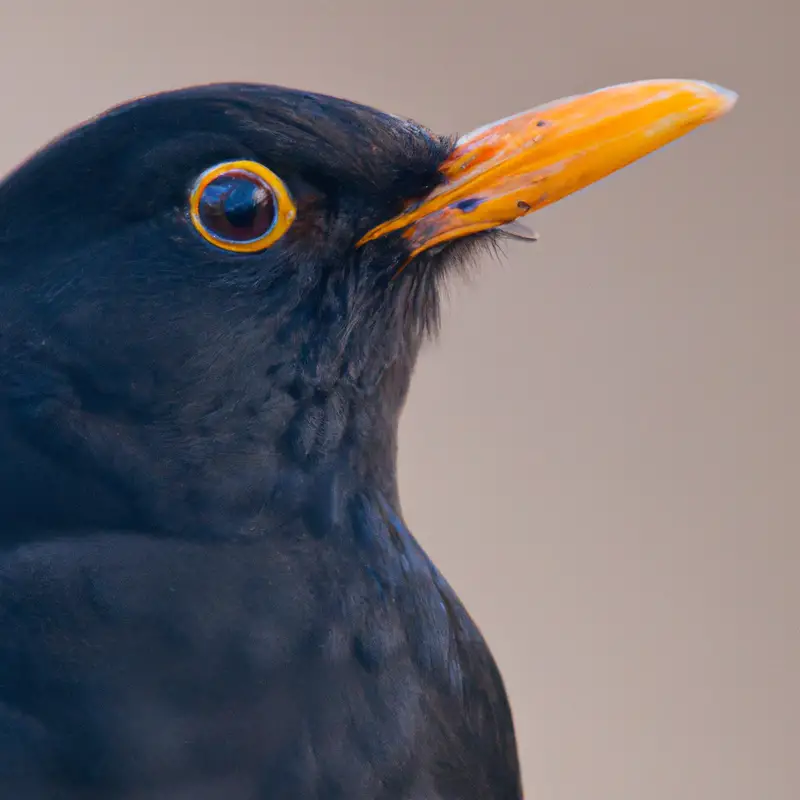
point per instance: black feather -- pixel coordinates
(206, 588)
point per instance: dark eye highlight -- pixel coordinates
(241, 206)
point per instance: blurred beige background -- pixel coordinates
(603, 450)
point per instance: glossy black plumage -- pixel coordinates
(206, 588)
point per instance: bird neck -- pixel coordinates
(239, 472)
(307, 451)
(334, 450)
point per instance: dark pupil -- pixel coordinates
(237, 207)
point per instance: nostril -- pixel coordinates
(469, 204)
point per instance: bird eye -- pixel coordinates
(241, 206)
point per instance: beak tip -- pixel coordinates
(724, 99)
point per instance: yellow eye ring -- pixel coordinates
(241, 206)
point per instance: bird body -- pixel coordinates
(211, 303)
(326, 662)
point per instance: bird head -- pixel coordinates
(211, 297)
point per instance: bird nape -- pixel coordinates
(212, 301)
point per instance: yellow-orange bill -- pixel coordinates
(510, 168)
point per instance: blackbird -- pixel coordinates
(211, 303)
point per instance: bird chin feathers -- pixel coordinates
(432, 274)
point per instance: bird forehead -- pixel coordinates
(306, 130)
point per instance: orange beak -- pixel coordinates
(510, 168)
